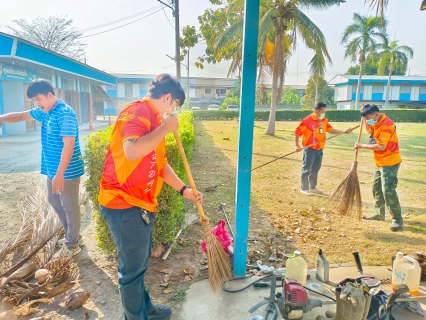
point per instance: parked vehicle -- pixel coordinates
(195, 108)
(232, 107)
(213, 107)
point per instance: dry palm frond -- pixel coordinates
(24, 234)
(48, 223)
(45, 225)
(27, 308)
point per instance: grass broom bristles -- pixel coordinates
(346, 200)
(218, 262)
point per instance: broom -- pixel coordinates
(346, 200)
(218, 262)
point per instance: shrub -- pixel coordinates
(170, 211)
(406, 115)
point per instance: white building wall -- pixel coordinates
(368, 91)
(120, 90)
(135, 90)
(394, 92)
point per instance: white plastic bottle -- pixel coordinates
(406, 270)
(296, 268)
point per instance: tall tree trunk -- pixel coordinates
(358, 88)
(270, 128)
(316, 92)
(388, 87)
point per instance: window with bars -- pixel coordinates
(207, 91)
(221, 91)
(405, 88)
(422, 89)
(85, 87)
(354, 86)
(67, 84)
(44, 76)
(378, 87)
(128, 90)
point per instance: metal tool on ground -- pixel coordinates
(222, 207)
(293, 302)
(210, 189)
(217, 260)
(346, 200)
(271, 308)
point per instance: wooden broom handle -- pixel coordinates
(187, 170)
(359, 138)
(188, 173)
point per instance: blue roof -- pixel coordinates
(27, 51)
(341, 80)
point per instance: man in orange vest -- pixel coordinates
(313, 131)
(385, 147)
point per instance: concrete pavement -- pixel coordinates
(202, 303)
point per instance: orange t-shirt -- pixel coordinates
(313, 130)
(384, 133)
(128, 183)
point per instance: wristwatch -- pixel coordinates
(182, 190)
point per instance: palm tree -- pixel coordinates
(397, 56)
(361, 37)
(381, 5)
(281, 23)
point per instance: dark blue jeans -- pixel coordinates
(133, 239)
(312, 160)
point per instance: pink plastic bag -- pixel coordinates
(221, 235)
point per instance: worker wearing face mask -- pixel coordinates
(313, 131)
(384, 144)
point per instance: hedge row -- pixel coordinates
(396, 115)
(170, 211)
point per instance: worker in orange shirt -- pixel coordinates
(133, 175)
(385, 147)
(313, 131)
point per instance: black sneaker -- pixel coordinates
(159, 312)
(377, 217)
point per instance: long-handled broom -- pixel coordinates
(218, 262)
(346, 200)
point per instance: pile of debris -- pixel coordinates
(30, 271)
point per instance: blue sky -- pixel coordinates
(142, 46)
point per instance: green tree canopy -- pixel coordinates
(231, 97)
(325, 93)
(281, 23)
(362, 37)
(290, 97)
(375, 65)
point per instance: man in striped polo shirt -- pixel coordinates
(61, 158)
(384, 144)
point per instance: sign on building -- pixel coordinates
(8, 72)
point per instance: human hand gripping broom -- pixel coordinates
(346, 200)
(218, 262)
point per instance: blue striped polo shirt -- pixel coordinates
(60, 121)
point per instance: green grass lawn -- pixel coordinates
(276, 200)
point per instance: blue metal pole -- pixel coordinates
(245, 137)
